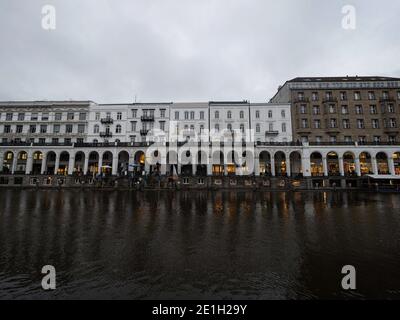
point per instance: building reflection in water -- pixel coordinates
(219, 244)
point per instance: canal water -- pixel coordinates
(198, 244)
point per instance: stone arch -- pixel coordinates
(139, 161)
(22, 159)
(107, 162)
(63, 163)
(51, 157)
(79, 163)
(280, 163)
(349, 164)
(265, 163)
(37, 162)
(295, 163)
(396, 162)
(332, 162)
(382, 163)
(8, 161)
(316, 164)
(365, 163)
(218, 163)
(123, 162)
(93, 162)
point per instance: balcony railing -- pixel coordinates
(144, 132)
(329, 100)
(105, 134)
(107, 120)
(147, 118)
(271, 133)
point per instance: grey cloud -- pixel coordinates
(110, 51)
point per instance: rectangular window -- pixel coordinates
(390, 108)
(133, 126)
(34, 116)
(283, 114)
(257, 114)
(373, 109)
(316, 110)
(318, 139)
(32, 128)
(21, 116)
(45, 116)
(332, 108)
(201, 115)
(317, 124)
(97, 117)
(375, 123)
(359, 109)
(304, 123)
(303, 109)
(162, 125)
(333, 123)
(362, 139)
(377, 139)
(7, 128)
(345, 109)
(371, 95)
(81, 128)
(43, 128)
(314, 96)
(42, 140)
(360, 124)
(58, 116)
(392, 123)
(68, 128)
(9, 116)
(82, 116)
(284, 127)
(56, 128)
(162, 113)
(119, 115)
(348, 139)
(176, 115)
(54, 140)
(19, 129)
(70, 116)
(343, 96)
(346, 124)
(357, 95)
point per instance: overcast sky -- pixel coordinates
(188, 50)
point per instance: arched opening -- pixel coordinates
(247, 163)
(218, 163)
(8, 162)
(50, 162)
(265, 163)
(349, 164)
(172, 163)
(63, 165)
(202, 161)
(332, 160)
(139, 162)
(22, 158)
(106, 166)
(123, 163)
(37, 161)
(232, 162)
(280, 163)
(154, 160)
(186, 161)
(79, 163)
(365, 163)
(382, 163)
(295, 164)
(93, 163)
(317, 166)
(396, 162)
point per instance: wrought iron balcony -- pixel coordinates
(147, 118)
(272, 133)
(105, 134)
(107, 120)
(144, 132)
